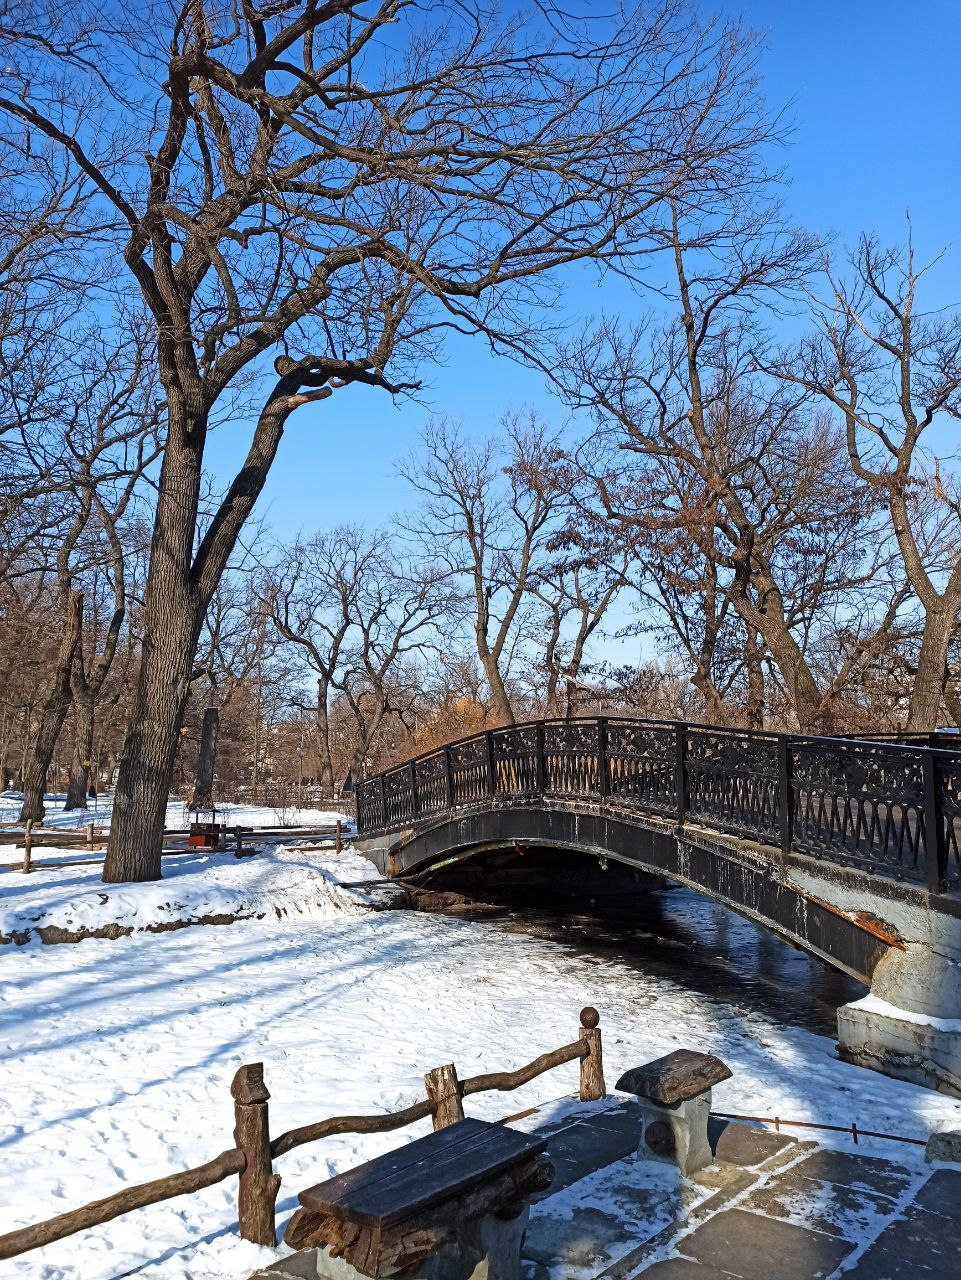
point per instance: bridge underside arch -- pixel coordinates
(724, 870)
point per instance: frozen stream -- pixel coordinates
(696, 944)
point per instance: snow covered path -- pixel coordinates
(118, 1057)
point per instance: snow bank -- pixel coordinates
(215, 888)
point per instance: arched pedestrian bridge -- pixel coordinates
(848, 848)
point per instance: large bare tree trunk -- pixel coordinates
(53, 715)
(503, 712)
(755, 680)
(147, 760)
(203, 797)
(82, 752)
(322, 719)
(171, 629)
(924, 713)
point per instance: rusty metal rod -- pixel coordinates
(853, 1128)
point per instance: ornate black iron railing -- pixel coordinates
(885, 807)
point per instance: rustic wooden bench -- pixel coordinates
(675, 1094)
(435, 1209)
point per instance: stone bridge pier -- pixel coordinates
(909, 1026)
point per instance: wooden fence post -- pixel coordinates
(592, 1065)
(338, 838)
(443, 1088)
(258, 1183)
(27, 845)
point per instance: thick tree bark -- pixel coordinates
(179, 588)
(171, 630)
(203, 797)
(755, 680)
(810, 707)
(503, 712)
(924, 714)
(147, 761)
(326, 769)
(54, 713)
(82, 752)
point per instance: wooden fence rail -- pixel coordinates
(252, 1157)
(99, 1211)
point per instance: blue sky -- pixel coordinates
(873, 88)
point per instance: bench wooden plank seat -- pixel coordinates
(404, 1183)
(433, 1210)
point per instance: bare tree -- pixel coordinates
(589, 564)
(892, 373)
(765, 496)
(315, 596)
(396, 610)
(110, 434)
(327, 186)
(487, 513)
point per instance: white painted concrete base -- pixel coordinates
(687, 1122)
(896, 1042)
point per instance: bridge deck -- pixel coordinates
(886, 808)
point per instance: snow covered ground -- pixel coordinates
(118, 1054)
(196, 887)
(178, 816)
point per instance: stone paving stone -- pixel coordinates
(919, 1246)
(835, 1208)
(941, 1194)
(299, 1266)
(752, 1247)
(593, 1144)
(869, 1173)
(566, 1173)
(578, 1149)
(607, 1215)
(627, 1121)
(587, 1238)
(684, 1269)
(737, 1144)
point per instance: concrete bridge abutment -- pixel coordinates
(909, 1025)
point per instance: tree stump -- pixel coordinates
(443, 1088)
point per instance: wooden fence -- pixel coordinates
(254, 1151)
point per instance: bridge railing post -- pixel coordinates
(539, 758)
(383, 803)
(603, 787)
(785, 782)
(412, 778)
(934, 842)
(680, 770)
(489, 740)
(449, 776)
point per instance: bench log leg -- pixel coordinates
(678, 1132)
(488, 1248)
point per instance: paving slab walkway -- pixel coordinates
(771, 1207)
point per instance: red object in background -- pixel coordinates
(204, 835)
